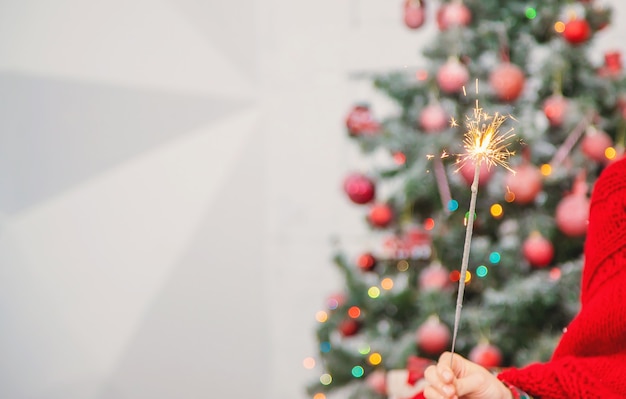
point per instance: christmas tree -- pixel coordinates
(529, 64)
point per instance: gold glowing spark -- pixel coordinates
(483, 140)
(429, 156)
(453, 122)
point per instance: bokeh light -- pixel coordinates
(467, 215)
(559, 26)
(453, 205)
(319, 395)
(354, 312)
(496, 210)
(403, 265)
(531, 13)
(494, 257)
(509, 196)
(555, 273)
(326, 379)
(332, 303)
(429, 224)
(375, 359)
(387, 283)
(308, 363)
(455, 275)
(610, 153)
(321, 316)
(357, 371)
(481, 271)
(468, 276)
(325, 347)
(364, 349)
(422, 74)
(546, 169)
(373, 292)
(399, 158)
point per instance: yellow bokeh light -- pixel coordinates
(468, 277)
(403, 266)
(375, 359)
(546, 169)
(321, 316)
(308, 363)
(387, 283)
(373, 292)
(326, 379)
(496, 210)
(610, 153)
(559, 26)
(319, 395)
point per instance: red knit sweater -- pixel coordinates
(590, 360)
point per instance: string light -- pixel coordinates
(321, 316)
(453, 205)
(325, 347)
(387, 283)
(559, 26)
(357, 371)
(429, 224)
(610, 153)
(494, 257)
(531, 13)
(375, 359)
(319, 395)
(364, 349)
(546, 169)
(373, 292)
(496, 210)
(403, 265)
(326, 379)
(481, 271)
(354, 312)
(308, 363)
(509, 196)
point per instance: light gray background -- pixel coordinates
(170, 181)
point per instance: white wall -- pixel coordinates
(170, 177)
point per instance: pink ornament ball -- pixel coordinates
(555, 108)
(525, 183)
(434, 277)
(594, 145)
(433, 118)
(468, 169)
(507, 81)
(433, 336)
(377, 382)
(452, 76)
(538, 250)
(359, 188)
(572, 214)
(453, 14)
(486, 355)
(414, 14)
(380, 215)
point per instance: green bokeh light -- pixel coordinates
(357, 371)
(531, 13)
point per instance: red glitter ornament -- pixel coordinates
(433, 336)
(572, 212)
(414, 13)
(453, 14)
(538, 250)
(349, 327)
(360, 188)
(360, 121)
(366, 262)
(380, 215)
(612, 67)
(486, 355)
(525, 183)
(433, 118)
(577, 31)
(507, 81)
(594, 145)
(555, 107)
(452, 76)
(434, 277)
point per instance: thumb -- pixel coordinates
(472, 384)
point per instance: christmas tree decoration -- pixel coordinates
(555, 108)
(467, 173)
(594, 145)
(453, 14)
(366, 262)
(348, 327)
(360, 188)
(507, 81)
(486, 355)
(577, 31)
(360, 121)
(572, 212)
(433, 118)
(380, 215)
(525, 183)
(434, 277)
(452, 76)
(538, 250)
(612, 68)
(336, 300)
(414, 13)
(433, 336)
(377, 381)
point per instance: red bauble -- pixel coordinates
(360, 188)
(538, 250)
(594, 144)
(572, 212)
(525, 183)
(380, 215)
(486, 355)
(468, 169)
(453, 15)
(377, 382)
(349, 327)
(507, 81)
(360, 121)
(612, 67)
(577, 31)
(452, 76)
(434, 277)
(433, 336)
(554, 107)
(366, 262)
(414, 13)
(433, 118)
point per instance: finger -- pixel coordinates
(430, 392)
(437, 384)
(474, 382)
(450, 365)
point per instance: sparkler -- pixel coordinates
(483, 142)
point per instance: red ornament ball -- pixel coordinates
(349, 327)
(366, 262)
(360, 188)
(434, 277)
(577, 31)
(507, 81)
(572, 214)
(525, 183)
(452, 76)
(414, 13)
(377, 382)
(468, 169)
(360, 121)
(594, 144)
(380, 215)
(486, 355)
(555, 107)
(538, 250)
(433, 336)
(453, 15)
(433, 118)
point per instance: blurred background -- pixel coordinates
(170, 188)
